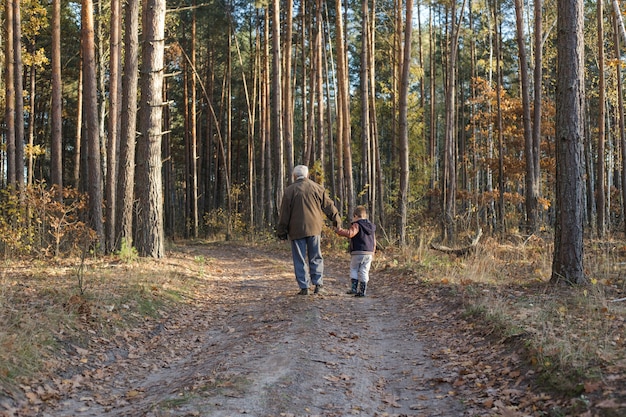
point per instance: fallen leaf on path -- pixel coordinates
(391, 400)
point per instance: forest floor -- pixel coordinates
(218, 329)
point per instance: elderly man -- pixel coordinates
(301, 217)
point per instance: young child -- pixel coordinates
(362, 247)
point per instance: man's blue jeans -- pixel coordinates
(307, 261)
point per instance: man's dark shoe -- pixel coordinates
(319, 289)
(304, 291)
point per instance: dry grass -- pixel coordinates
(568, 331)
(44, 308)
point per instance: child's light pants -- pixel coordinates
(360, 267)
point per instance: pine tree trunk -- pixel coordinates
(288, 88)
(126, 181)
(90, 96)
(277, 101)
(9, 84)
(78, 142)
(567, 265)
(56, 111)
(366, 172)
(150, 236)
(114, 125)
(531, 198)
(344, 125)
(19, 96)
(193, 135)
(620, 117)
(403, 125)
(499, 91)
(601, 166)
(449, 163)
(538, 75)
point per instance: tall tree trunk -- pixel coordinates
(279, 155)
(270, 203)
(288, 88)
(256, 182)
(328, 147)
(620, 22)
(567, 264)
(538, 81)
(114, 124)
(90, 95)
(601, 166)
(150, 236)
(474, 125)
(396, 69)
(193, 136)
(501, 182)
(376, 181)
(403, 125)
(366, 172)
(101, 71)
(31, 121)
(9, 84)
(19, 96)
(343, 93)
(126, 182)
(78, 151)
(169, 187)
(228, 163)
(620, 117)
(449, 175)
(432, 133)
(56, 111)
(320, 116)
(531, 199)
(186, 144)
(251, 118)
(309, 77)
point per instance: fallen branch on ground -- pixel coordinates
(459, 251)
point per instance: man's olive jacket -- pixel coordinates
(303, 208)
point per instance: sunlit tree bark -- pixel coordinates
(567, 264)
(193, 133)
(56, 111)
(150, 235)
(531, 198)
(403, 124)
(366, 147)
(343, 109)
(126, 181)
(114, 124)
(537, 106)
(19, 95)
(90, 96)
(449, 157)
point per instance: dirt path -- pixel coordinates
(252, 347)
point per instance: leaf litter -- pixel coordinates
(240, 342)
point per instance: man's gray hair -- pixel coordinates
(300, 171)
